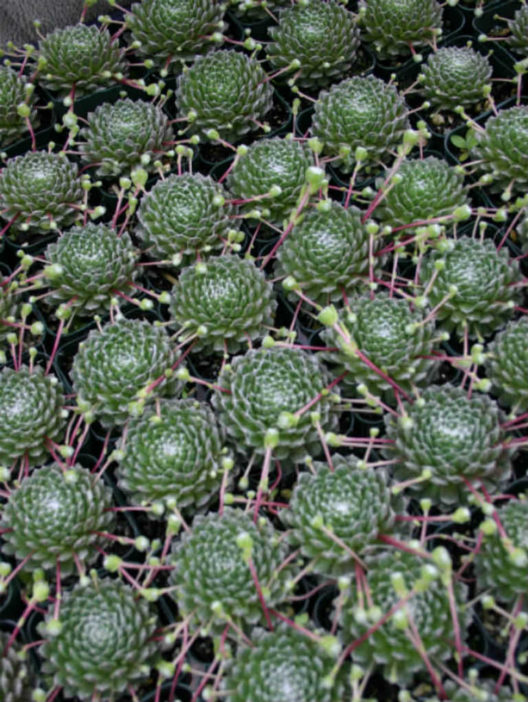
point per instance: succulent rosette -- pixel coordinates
(427, 188)
(393, 336)
(115, 369)
(453, 438)
(320, 38)
(359, 113)
(351, 503)
(104, 643)
(428, 607)
(507, 365)
(54, 516)
(501, 562)
(455, 75)
(40, 191)
(14, 91)
(502, 149)
(124, 135)
(283, 666)
(393, 26)
(173, 457)
(16, 678)
(518, 26)
(475, 287)
(327, 253)
(184, 215)
(31, 414)
(90, 264)
(173, 31)
(82, 57)
(273, 171)
(260, 392)
(226, 302)
(224, 91)
(212, 576)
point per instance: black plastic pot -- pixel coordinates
(42, 139)
(492, 24)
(307, 328)
(304, 122)
(342, 180)
(25, 243)
(78, 332)
(323, 607)
(86, 104)
(256, 27)
(473, 9)
(11, 606)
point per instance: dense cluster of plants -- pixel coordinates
(263, 354)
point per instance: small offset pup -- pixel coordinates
(17, 16)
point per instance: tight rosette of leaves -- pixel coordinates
(82, 57)
(518, 26)
(54, 516)
(474, 287)
(502, 149)
(453, 438)
(360, 118)
(104, 643)
(327, 253)
(183, 216)
(31, 414)
(273, 172)
(173, 456)
(121, 368)
(40, 191)
(90, 265)
(226, 302)
(173, 31)
(507, 365)
(283, 666)
(426, 189)
(501, 562)
(391, 645)
(348, 502)
(124, 135)
(16, 677)
(14, 91)
(455, 75)
(260, 393)
(320, 38)
(393, 26)
(393, 336)
(213, 563)
(224, 91)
